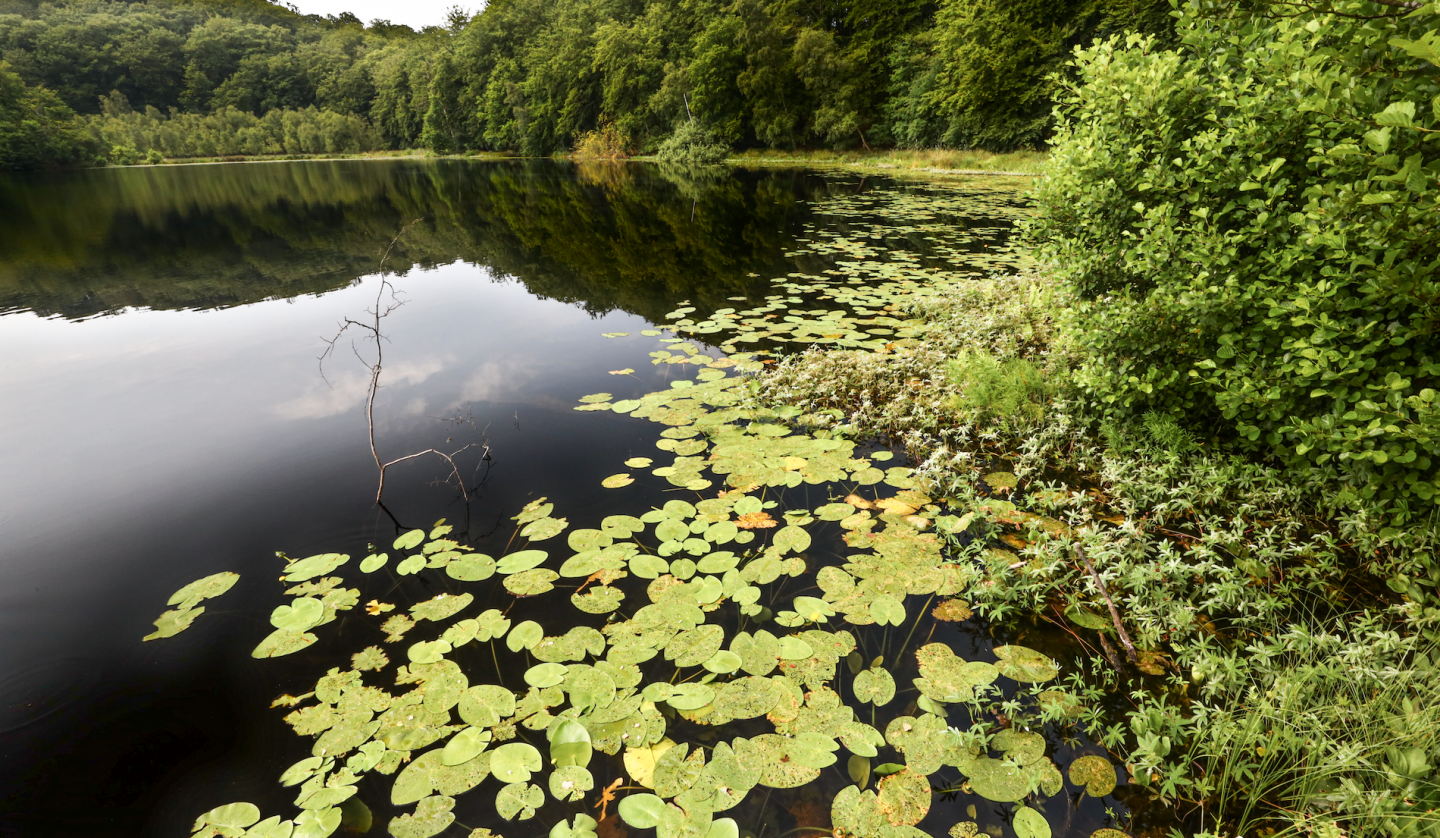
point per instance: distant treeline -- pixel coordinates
(531, 76)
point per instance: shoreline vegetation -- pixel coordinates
(939, 164)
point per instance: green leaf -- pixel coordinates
(1031, 824)
(518, 801)
(545, 675)
(522, 561)
(465, 746)
(229, 816)
(514, 762)
(887, 610)
(409, 540)
(431, 817)
(1095, 773)
(642, 811)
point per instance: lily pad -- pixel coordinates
(471, 567)
(570, 783)
(545, 675)
(641, 811)
(518, 801)
(208, 587)
(531, 582)
(173, 622)
(904, 798)
(309, 568)
(1025, 665)
(1031, 824)
(409, 540)
(283, 642)
(522, 561)
(1095, 773)
(617, 481)
(543, 529)
(431, 817)
(373, 562)
(514, 762)
(231, 816)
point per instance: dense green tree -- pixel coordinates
(37, 130)
(531, 76)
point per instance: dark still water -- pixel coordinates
(166, 417)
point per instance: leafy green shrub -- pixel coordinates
(1248, 225)
(606, 142)
(1010, 392)
(692, 145)
(124, 155)
(154, 157)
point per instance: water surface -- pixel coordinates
(168, 417)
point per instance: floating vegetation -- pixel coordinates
(700, 661)
(187, 604)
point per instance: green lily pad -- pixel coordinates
(778, 768)
(747, 698)
(208, 587)
(793, 648)
(525, 636)
(410, 566)
(690, 696)
(1084, 617)
(904, 798)
(521, 561)
(1025, 665)
(430, 818)
(722, 662)
(485, 705)
(231, 816)
(887, 610)
(409, 540)
(518, 801)
(309, 568)
(471, 567)
(617, 481)
(571, 783)
(1095, 773)
(465, 746)
(600, 599)
(544, 528)
(282, 642)
(514, 762)
(531, 582)
(370, 659)
(813, 609)
(492, 624)
(317, 823)
(997, 780)
(875, 686)
(442, 607)
(1019, 746)
(641, 811)
(173, 622)
(373, 562)
(1030, 824)
(545, 675)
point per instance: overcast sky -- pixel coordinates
(414, 13)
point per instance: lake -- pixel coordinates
(172, 413)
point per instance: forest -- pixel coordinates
(117, 82)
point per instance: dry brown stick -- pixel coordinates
(1114, 612)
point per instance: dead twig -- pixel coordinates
(377, 314)
(1114, 612)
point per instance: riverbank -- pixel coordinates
(939, 165)
(1266, 677)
